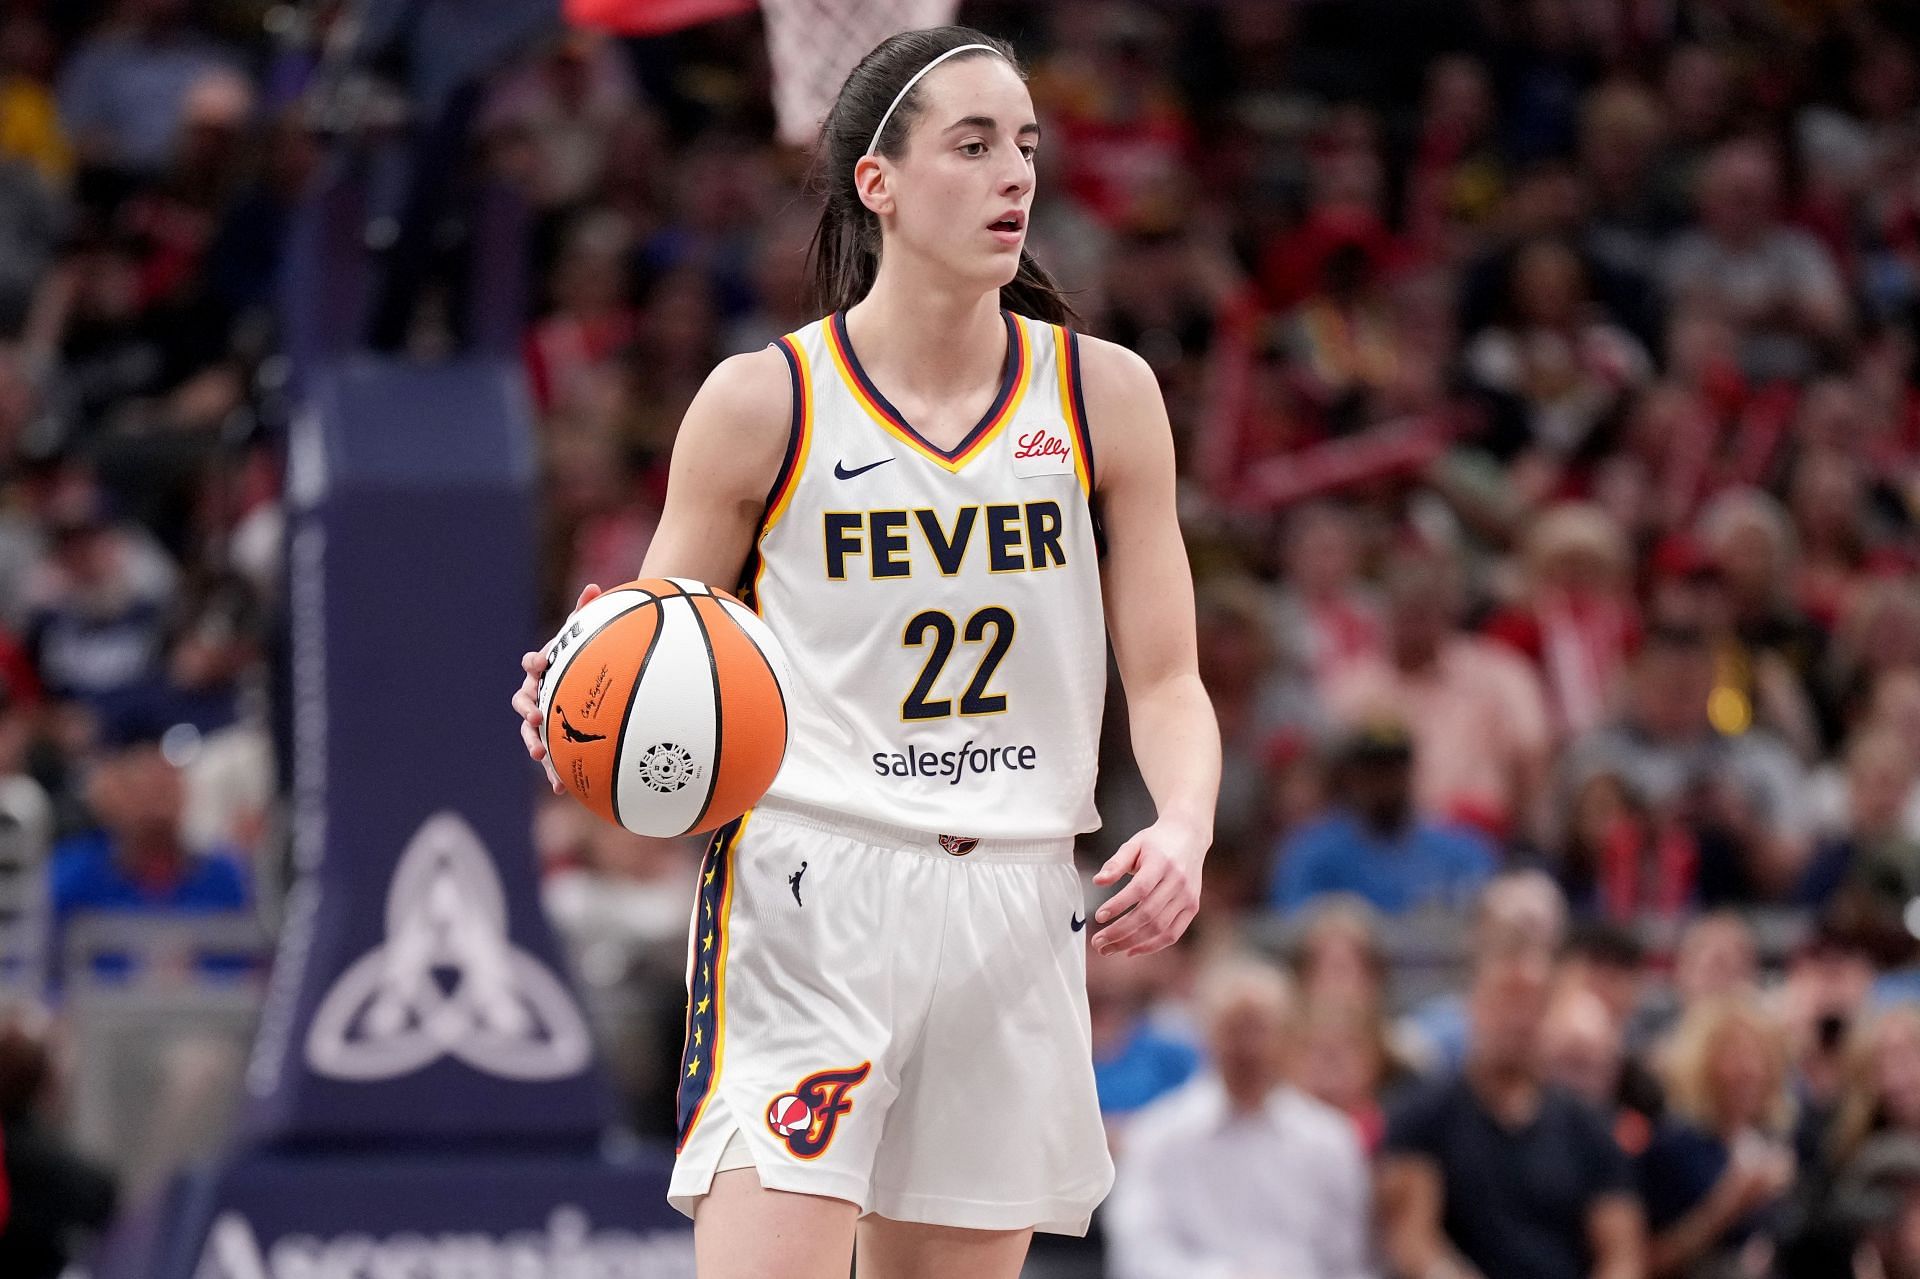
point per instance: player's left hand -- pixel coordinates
(1152, 911)
(526, 699)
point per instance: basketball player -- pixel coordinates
(944, 503)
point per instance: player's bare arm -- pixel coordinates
(1149, 602)
(724, 459)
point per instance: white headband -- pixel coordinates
(907, 88)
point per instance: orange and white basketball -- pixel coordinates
(662, 708)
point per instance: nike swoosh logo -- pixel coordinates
(575, 735)
(1078, 923)
(840, 471)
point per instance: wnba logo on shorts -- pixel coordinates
(959, 845)
(806, 1117)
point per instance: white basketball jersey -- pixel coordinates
(940, 611)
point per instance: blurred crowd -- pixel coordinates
(1544, 382)
(147, 160)
(1544, 379)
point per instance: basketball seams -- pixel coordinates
(779, 687)
(678, 739)
(719, 716)
(670, 734)
(557, 673)
(756, 746)
(626, 712)
(557, 668)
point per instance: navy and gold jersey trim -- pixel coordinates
(1013, 385)
(1073, 403)
(799, 435)
(787, 479)
(704, 1053)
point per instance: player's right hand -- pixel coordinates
(526, 700)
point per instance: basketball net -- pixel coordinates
(813, 44)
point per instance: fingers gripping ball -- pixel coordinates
(662, 708)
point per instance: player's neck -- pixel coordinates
(928, 341)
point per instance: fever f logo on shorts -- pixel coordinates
(805, 1118)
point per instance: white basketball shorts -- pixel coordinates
(893, 1018)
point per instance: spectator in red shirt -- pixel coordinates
(1347, 185)
(1577, 622)
(1126, 133)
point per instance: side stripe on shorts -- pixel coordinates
(704, 1052)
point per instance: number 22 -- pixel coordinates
(976, 700)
